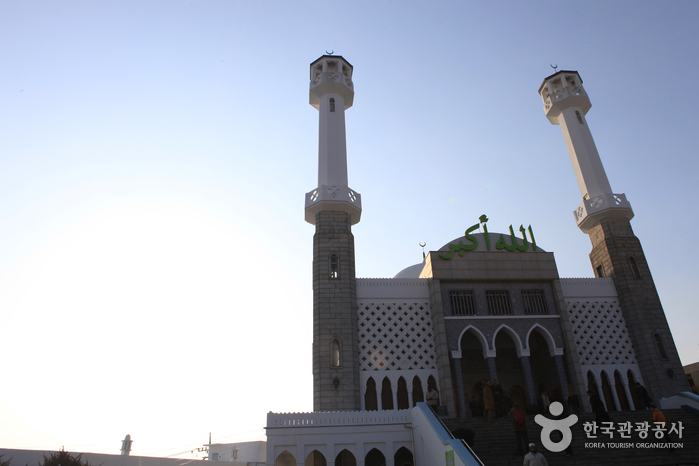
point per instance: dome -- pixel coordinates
(411, 272)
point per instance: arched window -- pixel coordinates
(659, 345)
(580, 120)
(335, 351)
(634, 267)
(386, 394)
(334, 266)
(332, 105)
(402, 395)
(370, 401)
(417, 391)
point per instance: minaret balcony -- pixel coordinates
(565, 97)
(333, 198)
(587, 215)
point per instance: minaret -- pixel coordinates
(333, 208)
(616, 252)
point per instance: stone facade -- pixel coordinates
(335, 382)
(617, 253)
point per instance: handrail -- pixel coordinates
(431, 416)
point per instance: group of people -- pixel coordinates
(489, 400)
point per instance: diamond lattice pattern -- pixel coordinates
(600, 332)
(396, 336)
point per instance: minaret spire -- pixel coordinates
(331, 93)
(616, 251)
(333, 208)
(566, 103)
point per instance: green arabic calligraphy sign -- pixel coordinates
(461, 248)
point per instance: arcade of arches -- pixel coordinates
(618, 392)
(402, 457)
(404, 397)
(526, 376)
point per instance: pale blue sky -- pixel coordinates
(154, 262)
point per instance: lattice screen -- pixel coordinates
(396, 336)
(600, 332)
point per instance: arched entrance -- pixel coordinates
(543, 366)
(345, 458)
(474, 368)
(316, 458)
(374, 458)
(508, 365)
(403, 457)
(285, 459)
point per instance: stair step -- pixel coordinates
(495, 442)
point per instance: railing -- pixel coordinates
(337, 418)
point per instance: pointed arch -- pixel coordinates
(418, 395)
(375, 458)
(545, 334)
(607, 392)
(620, 392)
(285, 459)
(316, 458)
(403, 457)
(370, 401)
(479, 335)
(345, 458)
(511, 333)
(386, 394)
(402, 401)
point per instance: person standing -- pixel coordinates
(598, 408)
(489, 402)
(534, 458)
(642, 396)
(498, 396)
(520, 425)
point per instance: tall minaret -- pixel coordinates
(616, 252)
(333, 208)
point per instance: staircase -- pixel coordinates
(496, 445)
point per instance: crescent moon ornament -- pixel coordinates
(330, 52)
(422, 245)
(554, 67)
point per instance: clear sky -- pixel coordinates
(155, 266)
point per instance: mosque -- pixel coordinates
(485, 306)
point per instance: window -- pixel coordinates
(600, 271)
(634, 267)
(659, 346)
(462, 303)
(334, 267)
(498, 302)
(534, 302)
(332, 105)
(335, 360)
(580, 120)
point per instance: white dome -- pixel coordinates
(411, 272)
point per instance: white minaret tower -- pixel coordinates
(566, 103)
(616, 251)
(331, 93)
(333, 208)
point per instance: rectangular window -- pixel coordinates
(498, 302)
(534, 302)
(462, 303)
